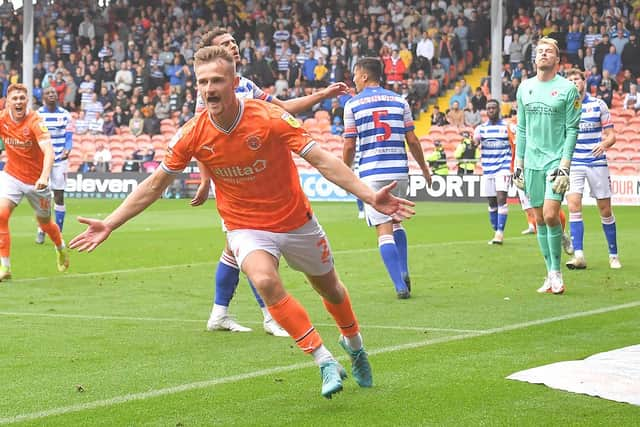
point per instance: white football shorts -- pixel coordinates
(306, 249)
(598, 178)
(524, 200)
(373, 216)
(58, 176)
(14, 190)
(499, 181)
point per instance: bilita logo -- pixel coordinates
(241, 171)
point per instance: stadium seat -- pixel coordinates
(143, 139)
(322, 114)
(635, 122)
(628, 170)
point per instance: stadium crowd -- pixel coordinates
(128, 66)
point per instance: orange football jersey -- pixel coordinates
(257, 183)
(21, 140)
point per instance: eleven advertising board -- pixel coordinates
(449, 188)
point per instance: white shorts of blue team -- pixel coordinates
(58, 176)
(524, 200)
(598, 179)
(13, 189)
(491, 184)
(305, 249)
(373, 216)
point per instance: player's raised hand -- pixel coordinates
(336, 89)
(396, 207)
(202, 194)
(96, 233)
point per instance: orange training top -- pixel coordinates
(21, 140)
(257, 183)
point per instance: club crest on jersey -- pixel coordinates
(254, 143)
(43, 128)
(293, 122)
(577, 104)
(554, 93)
(25, 131)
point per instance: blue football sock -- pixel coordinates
(576, 226)
(227, 278)
(391, 259)
(256, 294)
(360, 204)
(493, 218)
(501, 220)
(400, 237)
(60, 211)
(609, 227)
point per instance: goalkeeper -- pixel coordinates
(549, 111)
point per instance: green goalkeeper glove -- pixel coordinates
(518, 174)
(560, 177)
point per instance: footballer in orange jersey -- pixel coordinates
(29, 162)
(246, 148)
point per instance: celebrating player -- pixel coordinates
(29, 162)
(589, 164)
(58, 122)
(548, 118)
(245, 147)
(228, 273)
(493, 136)
(380, 120)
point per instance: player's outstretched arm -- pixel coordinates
(144, 195)
(300, 105)
(337, 172)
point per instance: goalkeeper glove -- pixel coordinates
(560, 177)
(518, 174)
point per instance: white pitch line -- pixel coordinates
(249, 375)
(212, 262)
(178, 320)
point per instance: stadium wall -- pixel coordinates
(450, 188)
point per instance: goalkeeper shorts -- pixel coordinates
(538, 187)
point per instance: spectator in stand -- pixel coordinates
(136, 124)
(620, 40)
(102, 158)
(438, 73)
(186, 114)
(455, 116)
(106, 98)
(612, 62)
(144, 153)
(437, 160)
(120, 117)
(60, 86)
(394, 68)
(87, 90)
(96, 124)
(108, 126)
(574, 42)
(601, 50)
(124, 79)
(337, 128)
(320, 73)
(472, 117)
(515, 51)
(81, 124)
(437, 117)
(609, 81)
(151, 125)
(605, 93)
(625, 84)
(593, 81)
(588, 62)
(163, 108)
(479, 100)
(458, 97)
(631, 99)
(631, 55)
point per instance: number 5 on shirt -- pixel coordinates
(378, 116)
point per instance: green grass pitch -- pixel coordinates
(120, 340)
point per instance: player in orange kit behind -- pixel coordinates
(29, 162)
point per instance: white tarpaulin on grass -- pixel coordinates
(614, 375)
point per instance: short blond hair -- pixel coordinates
(211, 53)
(17, 86)
(551, 42)
(575, 72)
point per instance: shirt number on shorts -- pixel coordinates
(44, 203)
(326, 254)
(378, 116)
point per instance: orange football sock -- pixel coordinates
(5, 237)
(563, 220)
(52, 230)
(292, 316)
(343, 315)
